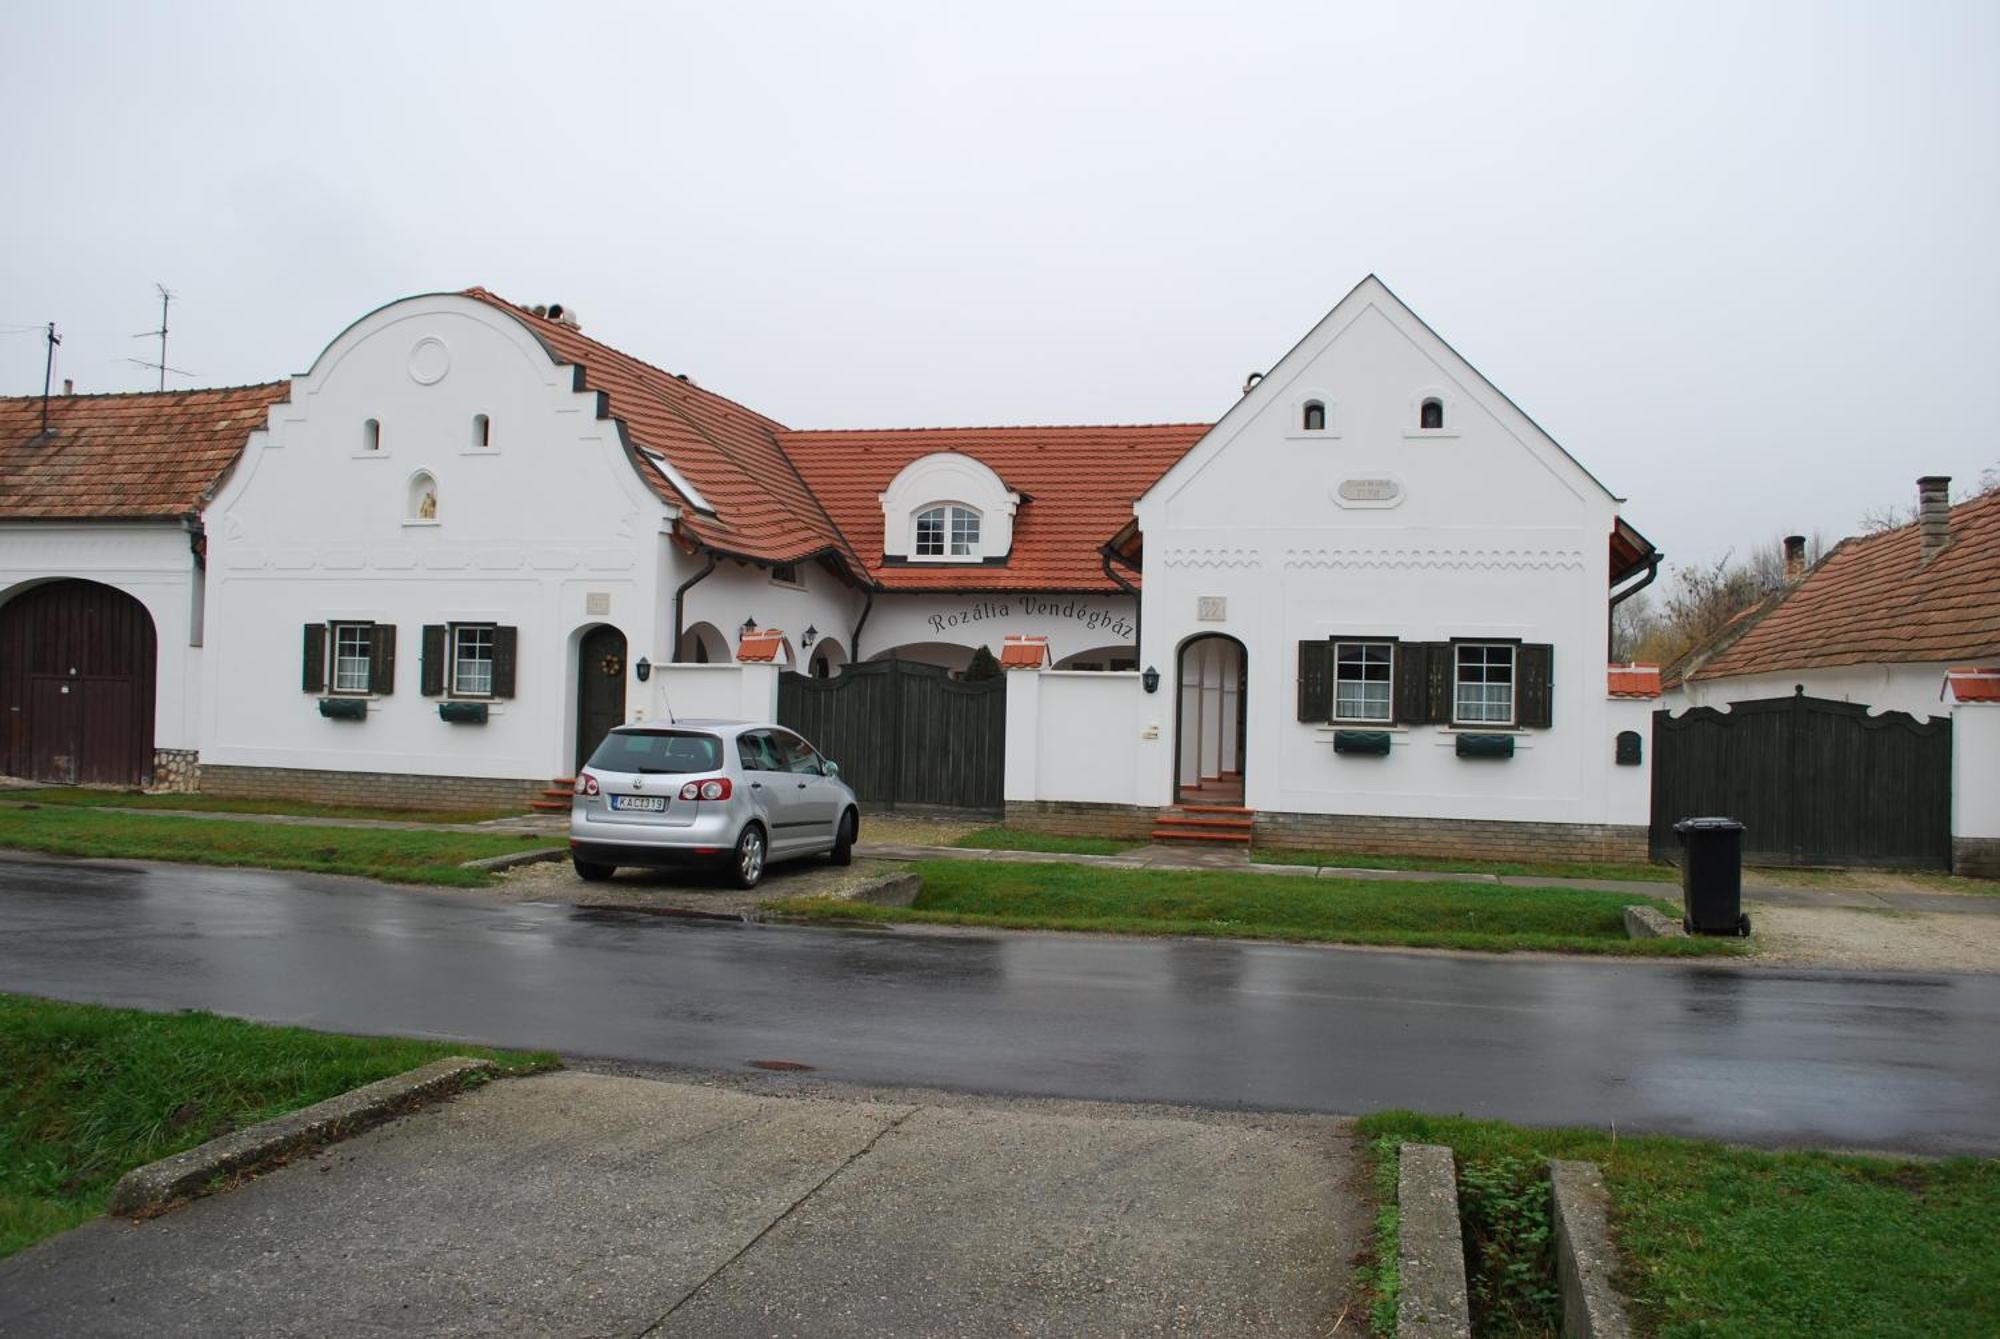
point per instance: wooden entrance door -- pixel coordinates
(77, 668)
(600, 688)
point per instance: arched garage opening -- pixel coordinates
(78, 662)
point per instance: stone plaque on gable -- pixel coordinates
(1211, 608)
(597, 602)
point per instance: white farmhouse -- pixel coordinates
(1367, 608)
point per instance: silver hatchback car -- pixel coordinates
(734, 794)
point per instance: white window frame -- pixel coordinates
(1459, 683)
(365, 634)
(797, 579)
(1388, 681)
(951, 514)
(453, 663)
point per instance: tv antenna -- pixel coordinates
(49, 371)
(161, 334)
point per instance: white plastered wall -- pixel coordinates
(1083, 736)
(1916, 688)
(1072, 623)
(736, 590)
(548, 529)
(1374, 527)
(1975, 770)
(150, 562)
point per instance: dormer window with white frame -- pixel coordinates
(1312, 415)
(948, 508)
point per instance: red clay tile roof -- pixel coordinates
(1023, 651)
(1975, 685)
(1079, 485)
(1633, 680)
(761, 645)
(763, 510)
(1872, 599)
(150, 455)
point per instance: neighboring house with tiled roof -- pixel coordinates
(438, 564)
(101, 499)
(1879, 620)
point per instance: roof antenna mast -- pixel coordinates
(48, 371)
(161, 335)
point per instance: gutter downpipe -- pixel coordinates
(680, 598)
(1619, 597)
(1138, 602)
(854, 638)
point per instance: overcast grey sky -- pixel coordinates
(1743, 260)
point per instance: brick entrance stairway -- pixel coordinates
(1205, 823)
(556, 798)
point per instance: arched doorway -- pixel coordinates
(77, 668)
(600, 687)
(1213, 680)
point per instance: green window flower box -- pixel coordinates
(1364, 743)
(1486, 746)
(344, 708)
(462, 713)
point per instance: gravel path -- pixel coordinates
(682, 890)
(1868, 938)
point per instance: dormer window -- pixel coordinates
(1430, 417)
(1314, 419)
(949, 531)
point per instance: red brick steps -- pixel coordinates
(1228, 823)
(556, 799)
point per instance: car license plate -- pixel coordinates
(649, 803)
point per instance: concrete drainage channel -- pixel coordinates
(1430, 1254)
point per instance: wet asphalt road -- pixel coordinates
(1887, 1060)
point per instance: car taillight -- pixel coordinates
(715, 788)
(586, 784)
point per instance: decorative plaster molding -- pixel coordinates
(1486, 559)
(430, 360)
(1213, 558)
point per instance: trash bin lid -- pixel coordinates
(1708, 825)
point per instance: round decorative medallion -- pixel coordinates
(429, 361)
(613, 666)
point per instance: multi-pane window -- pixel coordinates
(352, 645)
(471, 660)
(949, 531)
(1485, 684)
(1363, 681)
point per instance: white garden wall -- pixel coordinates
(1083, 737)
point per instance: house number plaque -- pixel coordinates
(1211, 608)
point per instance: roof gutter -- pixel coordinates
(1138, 604)
(680, 599)
(1618, 597)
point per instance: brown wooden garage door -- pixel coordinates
(77, 664)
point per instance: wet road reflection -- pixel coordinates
(1859, 1060)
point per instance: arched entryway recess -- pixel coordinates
(1213, 680)
(600, 687)
(78, 663)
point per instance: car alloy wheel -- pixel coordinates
(750, 856)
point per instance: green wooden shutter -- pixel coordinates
(315, 658)
(432, 672)
(1316, 681)
(1412, 697)
(504, 643)
(382, 659)
(1439, 672)
(1534, 683)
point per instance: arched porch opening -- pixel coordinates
(1212, 680)
(703, 644)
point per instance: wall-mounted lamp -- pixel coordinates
(749, 626)
(806, 641)
(1150, 680)
(644, 669)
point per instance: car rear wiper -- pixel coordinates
(656, 771)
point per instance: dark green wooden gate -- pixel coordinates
(1813, 782)
(905, 734)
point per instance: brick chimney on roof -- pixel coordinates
(1795, 559)
(1934, 513)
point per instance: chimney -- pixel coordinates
(1934, 513)
(1795, 559)
(69, 386)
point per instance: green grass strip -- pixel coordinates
(1726, 1242)
(376, 853)
(244, 804)
(1017, 839)
(1533, 869)
(1268, 906)
(87, 1094)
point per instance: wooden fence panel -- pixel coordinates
(905, 733)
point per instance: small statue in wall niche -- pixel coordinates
(427, 509)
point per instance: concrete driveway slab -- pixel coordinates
(592, 1204)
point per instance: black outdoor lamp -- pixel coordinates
(1150, 680)
(644, 669)
(805, 642)
(749, 626)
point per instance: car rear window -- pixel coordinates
(658, 751)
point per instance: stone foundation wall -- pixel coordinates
(1480, 839)
(1077, 819)
(175, 771)
(382, 790)
(1976, 857)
